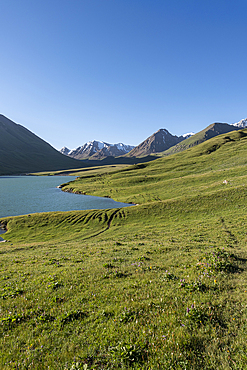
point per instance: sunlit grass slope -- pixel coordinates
(162, 285)
(199, 170)
(209, 132)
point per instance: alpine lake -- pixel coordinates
(21, 195)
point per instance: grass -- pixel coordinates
(161, 285)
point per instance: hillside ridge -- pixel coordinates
(21, 151)
(209, 132)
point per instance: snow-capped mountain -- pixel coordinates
(65, 150)
(97, 150)
(241, 124)
(158, 142)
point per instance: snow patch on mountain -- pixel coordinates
(241, 124)
(123, 147)
(189, 134)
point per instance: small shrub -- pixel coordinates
(127, 316)
(129, 353)
(219, 261)
(77, 366)
(108, 265)
(168, 276)
(45, 317)
(107, 314)
(196, 285)
(11, 292)
(114, 274)
(144, 258)
(53, 282)
(200, 315)
(72, 316)
(197, 315)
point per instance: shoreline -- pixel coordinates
(3, 230)
(70, 190)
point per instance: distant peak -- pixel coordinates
(241, 124)
(163, 130)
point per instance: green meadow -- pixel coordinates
(158, 285)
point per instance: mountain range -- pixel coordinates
(97, 150)
(162, 142)
(21, 151)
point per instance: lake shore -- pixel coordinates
(35, 194)
(3, 230)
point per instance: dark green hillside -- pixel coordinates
(212, 130)
(21, 151)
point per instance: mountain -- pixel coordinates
(65, 150)
(97, 150)
(158, 142)
(241, 124)
(212, 130)
(21, 151)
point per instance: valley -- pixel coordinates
(163, 282)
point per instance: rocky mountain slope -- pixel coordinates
(97, 150)
(21, 151)
(158, 142)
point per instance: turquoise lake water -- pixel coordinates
(21, 195)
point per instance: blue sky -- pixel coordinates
(118, 70)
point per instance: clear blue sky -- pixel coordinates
(118, 70)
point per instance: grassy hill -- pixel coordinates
(21, 151)
(198, 170)
(161, 285)
(209, 132)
